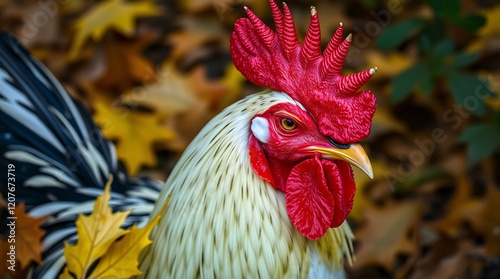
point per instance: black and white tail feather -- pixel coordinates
(61, 160)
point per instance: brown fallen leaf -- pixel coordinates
(125, 66)
(458, 264)
(27, 242)
(462, 206)
(388, 231)
(192, 38)
(362, 201)
(28, 237)
(487, 220)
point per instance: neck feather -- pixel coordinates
(223, 220)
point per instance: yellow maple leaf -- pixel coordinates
(135, 132)
(119, 15)
(121, 261)
(96, 233)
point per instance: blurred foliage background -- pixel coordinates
(154, 72)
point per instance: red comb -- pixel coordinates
(278, 61)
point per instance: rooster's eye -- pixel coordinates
(288, 124)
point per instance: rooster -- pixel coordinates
(262, 191)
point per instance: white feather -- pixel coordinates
(26, 157)
(41, 181)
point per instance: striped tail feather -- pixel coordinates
(62, 161)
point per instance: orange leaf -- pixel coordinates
(125, 66)
(26, 240)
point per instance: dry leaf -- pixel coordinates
(388, 231)
(119, 15)
(454, 265)
(28, 237)
(192, 38)
(168, 97)
(126, 67)
(96, 233)
(462, 205)
(487, 220)
(135, 132)
(362, 202)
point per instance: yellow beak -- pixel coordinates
(354, 155)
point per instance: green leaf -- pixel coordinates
(482, 140)
(447, 9)
(405, 82)
(464, 59)
(443, 48)
(470, 91)
(425, 42)
(395, 35)
(472, 22)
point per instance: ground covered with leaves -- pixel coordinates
(154, 72)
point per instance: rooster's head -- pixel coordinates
(305, 148)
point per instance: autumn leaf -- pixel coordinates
(28, 237)
(454, 265)
(121, 261)
(119, 15)
(98, 236)
(487, 220)
(461, 206)
(96, 233)
(168, 97)
(388, 231)
(135, 132)
(362, 202)
(125, 65)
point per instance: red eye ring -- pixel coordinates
(288, 124)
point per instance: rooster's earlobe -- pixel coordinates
(260, 129)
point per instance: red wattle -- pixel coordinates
(309, 202)
(340, 180)
(259, 161)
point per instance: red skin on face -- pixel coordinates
(319, 192)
